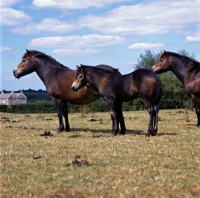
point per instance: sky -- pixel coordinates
(112, 32)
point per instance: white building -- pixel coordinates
(13, 98)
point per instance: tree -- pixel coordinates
(147, 60)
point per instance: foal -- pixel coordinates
(117, 89)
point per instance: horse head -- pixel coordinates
(163, 64)
(25, 67)
(80, 79)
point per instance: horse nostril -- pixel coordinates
(74, 88)
(16, 73)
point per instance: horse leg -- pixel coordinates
(155, 121)
(197, 109)
(196, 101)
(58, 105)
(65, 114)
(120, 118)
(150, 127)
(112, 108)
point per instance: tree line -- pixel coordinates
(173, 96)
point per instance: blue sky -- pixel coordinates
(113, 32)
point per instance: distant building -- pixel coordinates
(13, 98)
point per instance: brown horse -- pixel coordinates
(187, 71)
(57, 79)
(116, 89)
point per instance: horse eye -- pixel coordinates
(23, 60)
(161, 60)
(80, 76)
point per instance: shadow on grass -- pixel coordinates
(139, 132)
(189, 124)
(90, 130)
(135, 132)
(95, 131)
(166, 133)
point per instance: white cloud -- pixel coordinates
(149, 17)
(48, 24)
(76, 52)
(11, 17)
(146, 46)
(131, 63)
(194, 36)
(8, 3)
(74, 4)
(146, 18)
(2, 49)
(87, 41)
(77, 45)
(192, 39)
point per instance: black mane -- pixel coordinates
(182, 57)
(191, 62)
(38, 54)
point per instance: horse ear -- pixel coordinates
(82, 67)
(28, 52)
(165, 53)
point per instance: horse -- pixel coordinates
(57, 79)
(117, 89)
(187, 71)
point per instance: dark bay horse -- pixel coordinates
(117, 89)
(58, 79)
(187, 71)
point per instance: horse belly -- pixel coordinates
(128, 95)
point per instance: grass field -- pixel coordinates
(90, 162)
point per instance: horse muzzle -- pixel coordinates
(75, 87)
(16, 73)
(154, 69)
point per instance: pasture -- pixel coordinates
(90, 162)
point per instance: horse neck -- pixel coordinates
(95, 76)
(179, 68)
(44, 70)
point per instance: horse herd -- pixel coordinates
(88, 83)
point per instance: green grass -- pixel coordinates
(133, 165)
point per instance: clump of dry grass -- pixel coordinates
(133, 165)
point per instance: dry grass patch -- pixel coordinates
(132, 165)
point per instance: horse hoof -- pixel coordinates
(60, 130)
(198, 125)
(67, 130)
(148, 134)
(122, 133)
